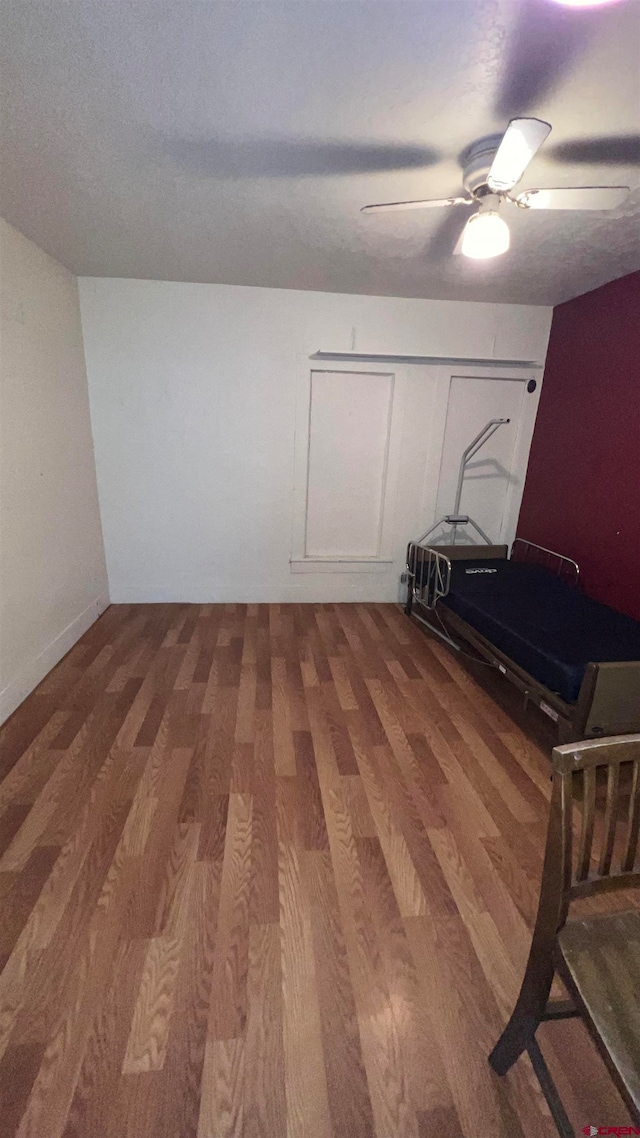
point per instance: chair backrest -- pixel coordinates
(609, 862)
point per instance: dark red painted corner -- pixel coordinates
(582, 491)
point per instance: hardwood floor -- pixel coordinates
(270, 871)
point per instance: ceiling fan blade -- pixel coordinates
(522, 139)
(429, 203)
(574, 197)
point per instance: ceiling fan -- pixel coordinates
(492, 167)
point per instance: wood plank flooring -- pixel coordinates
(270, 871)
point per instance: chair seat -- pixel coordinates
(601, 958)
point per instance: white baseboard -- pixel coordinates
(35, 671)
(306, 589)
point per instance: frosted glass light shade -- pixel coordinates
(486, 235)
(585, 3)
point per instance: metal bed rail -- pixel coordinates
(562, 567)
(428, 574)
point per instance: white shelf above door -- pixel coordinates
(455, 361)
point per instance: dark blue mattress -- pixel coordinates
(547, 627)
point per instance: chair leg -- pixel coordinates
(526, 1017)
(549, 1090)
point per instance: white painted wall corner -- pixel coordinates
(35, 670)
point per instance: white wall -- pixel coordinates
(193, 394)
(53, 580)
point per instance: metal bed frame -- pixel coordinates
(609, 698)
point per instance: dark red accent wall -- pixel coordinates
(582, 491)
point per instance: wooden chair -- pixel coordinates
(597, 957)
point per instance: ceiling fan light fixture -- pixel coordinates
(486, 235)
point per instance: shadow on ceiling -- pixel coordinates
(293, 158)
(445, 236)
(545, 42)
(612, 150)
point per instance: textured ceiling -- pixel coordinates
(235, 142)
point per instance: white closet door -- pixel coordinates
(349, 429)
(490, 477)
